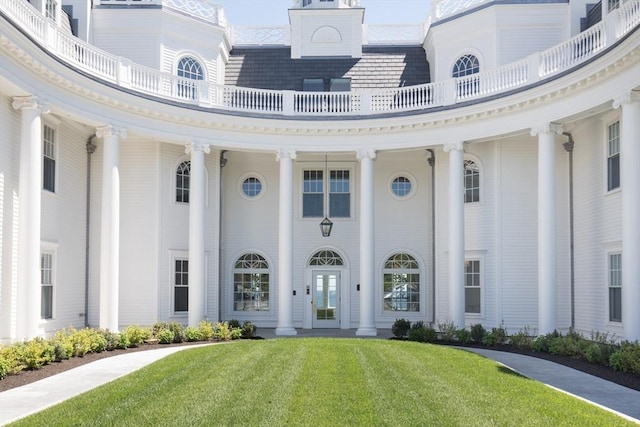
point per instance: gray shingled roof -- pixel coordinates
(379, 67)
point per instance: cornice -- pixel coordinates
(211, 119)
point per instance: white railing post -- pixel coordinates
(50, 35)
(450, 89)
(365, 102)
(123, 72)
(611, 27)
(533, 67)
(288, 97)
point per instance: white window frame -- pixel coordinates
(422, 292)
(54, 126)
(326, 174)
(608, 155)
(177, 255)
(611, 285)
(52, 250)
(478, 163)
(259, 177)
(172, 181)
(408, 176)
(480, 285)
(272, 290)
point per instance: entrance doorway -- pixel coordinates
(326, 299)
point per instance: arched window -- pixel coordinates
(471, 182)
(465, 66)
(326, 257)
(183, 181)
(401, 289)
(189, 68)
(251, 283)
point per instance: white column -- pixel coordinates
(368, 286)
(110, 226)
(456, 232)
(197, 259)
(285, 245)
(630, 185)
(547, 268)
(28, 312)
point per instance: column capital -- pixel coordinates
(366, 153)
(286, 153)
(453, 146)
(20, 102)
(547, 128)
(111, 130)
(196, 146)
(627, 98)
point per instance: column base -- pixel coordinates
(286, 331)
(367, 332)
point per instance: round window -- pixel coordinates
(401, 186)
(252, 187)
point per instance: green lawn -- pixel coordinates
(324, 382)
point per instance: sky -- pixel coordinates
(274, 12)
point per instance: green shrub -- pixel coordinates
(123, 341)
(400, 328)
(571, 345)
(223, 332)
(63, 347)
(627, 358)
(500, 333)
(447, 330)
(463, 336)
(542, 342)
(157, 327)
(13, 357)
(136, 335)
(81, 341)
(248, 329)
(38, 353)
(193, 334)
(233, 323)
(178, 331)
(206, 330)
(112, 340)
(600, 349)
(165, 336)
(521, 339)
(477, 333)
(4, 367)
(421, 333)
(490, 339)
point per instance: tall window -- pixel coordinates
(46, 285)
(465, 66)
(251, 283)
(471, 182)
(472, 286)
(613, 156)
(183, 174)
(313, 194)
(189, 68)
(181, 285)
(401, 287)
(51, 9)
(49, 159)
(615, 287)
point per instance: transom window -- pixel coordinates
(189, 68)
(251, 283)
(339, 195)
(46, 285)
(401, 186)
(181, 285)
(49, 159)
(613, 156)
(252, 187)
(472, 302)
(183, 177)
(466, 65)
(401, 287)
(326, 257)
(471, 182)
(615, 287)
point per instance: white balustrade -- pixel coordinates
(475, 87)
(259, 36)
(394, 34)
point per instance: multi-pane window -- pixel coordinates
(51, 9)
(613, 156)
(46, 285)
(313, 194)
(401, 287)
(181, 285)
(472, 286)
(613, 4)
(326, 257)
(471, 182)
(251, 283)
(401, 186)
(183, 174)
(465, 66)
(189, 68)
(252, 187)
(339, 194)
(49, 159)
(615, 287)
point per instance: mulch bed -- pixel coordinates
(25, 377)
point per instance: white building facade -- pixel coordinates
(160, 164)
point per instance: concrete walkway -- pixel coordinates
(31, 398)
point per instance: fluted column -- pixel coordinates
(547, 268)
(110, 226)
(368, 286)
(285, 244)
(197, 259)
(28, 312)
(630, 185)
(456, 232)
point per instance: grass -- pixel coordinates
(324, 382)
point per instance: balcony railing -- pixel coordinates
(475, 87)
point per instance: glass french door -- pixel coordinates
(326, 299)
